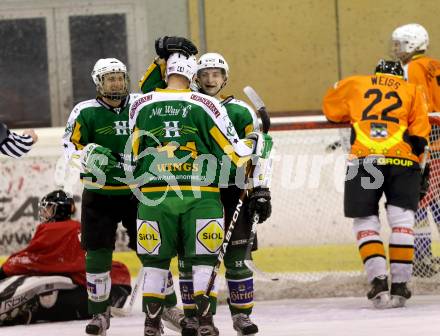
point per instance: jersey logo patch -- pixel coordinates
(210, 235)
(148, 237)
(378, 130)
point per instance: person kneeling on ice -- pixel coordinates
(46, 281)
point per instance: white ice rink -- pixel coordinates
(334, 316)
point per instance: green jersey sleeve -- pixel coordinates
(243, 117)
(154, 77)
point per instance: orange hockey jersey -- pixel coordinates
(425, 71)
(389, 116)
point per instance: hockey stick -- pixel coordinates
(127, 310)
(228, 234)
(265, 119)
(424, 159)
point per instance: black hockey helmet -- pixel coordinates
(56, 206)
(389, 67)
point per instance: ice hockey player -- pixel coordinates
(212, 76)
(46, 281)
(390, 130)
(409, 43)
(96, 135)
(189, 133)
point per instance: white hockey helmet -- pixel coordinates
(179, 64)
(408, 39)
(105, 66)
(213, 60)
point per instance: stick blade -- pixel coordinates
(251, 265)
(253, 97)
(259, 105)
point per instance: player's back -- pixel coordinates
(425, 71)
(380, 108)
(177, 127)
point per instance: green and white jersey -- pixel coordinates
(245, 121)
(93, 121)
(184, 139)
(243, 117)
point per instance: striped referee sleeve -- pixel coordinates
(16, 145)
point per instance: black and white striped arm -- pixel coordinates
(15, 145)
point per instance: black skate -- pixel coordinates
(378, 293)
(190, 325)
(399, 294)
(243, 325)
(153, 325)
(99, 323)
(206, 326)
(172, 318)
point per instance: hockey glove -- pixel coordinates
(167, 45)
(259, 202)
(262, 144)
(95, 157)
(424, 183)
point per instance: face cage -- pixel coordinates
(397, 49)
(47, 211)
(113, 95)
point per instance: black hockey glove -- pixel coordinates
(167, 45)
(259, 202)
(424, 183)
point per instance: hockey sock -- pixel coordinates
(370, 246)
(170, 294)
(401, 243)
(240, 282)
(98, 266)
(186, 288)
(153, 288)
(201, 275)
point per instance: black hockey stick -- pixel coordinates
(265, 120)
(228, 234)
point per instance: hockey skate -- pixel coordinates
(99, 323)
(20, 296)
(173, 318)
(206, 326)
(399, 294)
(378, 293)
(190, 326)
(153, 326)
(243, 325)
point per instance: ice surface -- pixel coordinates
(330, 316)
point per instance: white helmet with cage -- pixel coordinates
(408, 39)
(213, 60)
(105, 66)
(179, 64)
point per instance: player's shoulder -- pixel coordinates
(91, 103)
(83, 107)
(423, 60)
(239, 103)
(207, 103)
(133, 96)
